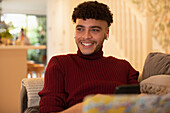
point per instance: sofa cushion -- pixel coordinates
(156, 85)
(155, 64)
(33, 86)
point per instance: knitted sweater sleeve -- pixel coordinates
(53, 95)
(132, 75)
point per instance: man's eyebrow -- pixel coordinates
(96, 27)
(79, 26)
(90, 26)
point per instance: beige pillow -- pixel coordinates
(156, 63)
(159, 85)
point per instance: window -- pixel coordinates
(35, 29)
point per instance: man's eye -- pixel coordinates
(95, 30)
(79, 29)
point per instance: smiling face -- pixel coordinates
(90, 35)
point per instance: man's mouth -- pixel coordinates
(86, 44)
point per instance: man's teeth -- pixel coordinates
(87, 44)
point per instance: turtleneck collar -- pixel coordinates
(93, 56)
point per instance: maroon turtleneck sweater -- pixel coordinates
(69, 78)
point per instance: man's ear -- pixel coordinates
(107, 34)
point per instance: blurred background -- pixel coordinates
(31, 16)
(48, 22)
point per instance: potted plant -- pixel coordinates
(5, 35)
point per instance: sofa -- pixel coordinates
(154, 84)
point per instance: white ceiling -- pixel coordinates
(24, 6)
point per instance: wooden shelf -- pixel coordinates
(22, 47)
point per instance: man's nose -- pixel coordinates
(87, 34)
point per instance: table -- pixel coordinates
(13, 68)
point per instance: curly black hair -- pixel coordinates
(92, 10)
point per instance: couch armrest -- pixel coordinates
(23, 99)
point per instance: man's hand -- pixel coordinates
(74, 109)
(78, 108)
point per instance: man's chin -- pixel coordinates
(87, 52)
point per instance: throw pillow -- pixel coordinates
(33, 86)
(156, 85)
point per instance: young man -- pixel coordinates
(69, 78)
(23, 38)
